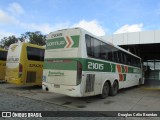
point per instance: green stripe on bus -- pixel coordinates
(124, 75)
(133, 70)
(113, 67)
(123, 69)
(87, 65)
(94, 65)
(60, 65)
(75, 41)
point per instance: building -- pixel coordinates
(145, 44)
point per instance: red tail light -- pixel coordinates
(20, 70)
(79, 73)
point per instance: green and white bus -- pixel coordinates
(80, 64)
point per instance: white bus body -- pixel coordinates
(79, 64)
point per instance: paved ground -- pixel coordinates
(32, 98)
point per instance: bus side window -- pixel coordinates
(119, 56)
(124, 58)
(128, 60)
(115, 54)
(35, 54)
(110, 56)
(93, 47)
(89, 46)
(3, 55)
(103, 53)
(106, 52)
(97, 48)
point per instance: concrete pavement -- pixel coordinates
(130, 99)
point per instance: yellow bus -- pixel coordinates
(3, 57)
(24, 65)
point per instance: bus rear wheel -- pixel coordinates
(105, 90)
(114, 89)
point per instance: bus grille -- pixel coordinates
(31, 77)
(90, 83)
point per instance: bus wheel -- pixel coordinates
(114, 89)
(105, 90)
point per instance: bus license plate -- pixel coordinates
(57, 86)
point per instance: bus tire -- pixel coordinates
(105, 90)
(114, 89)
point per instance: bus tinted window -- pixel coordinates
(97, 48)
(3, 55)
(115, 55)
(106, 51)
(125, 58)
(101, 50)
(35, 54)
(89, 46)
(93, 47)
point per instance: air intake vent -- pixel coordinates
(31, 77)
(90, 83)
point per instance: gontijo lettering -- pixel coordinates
(56, 43)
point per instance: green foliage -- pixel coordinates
(34, 37)
(31, 37)
(7, 41)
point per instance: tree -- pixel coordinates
(34, 37)
(7, 41)
(31, 37)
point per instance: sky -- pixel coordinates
(100, 17)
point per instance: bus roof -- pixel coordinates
(29, 44)
(98, 37)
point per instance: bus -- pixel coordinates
(79, 64)
(24, 65)
(3, 57)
